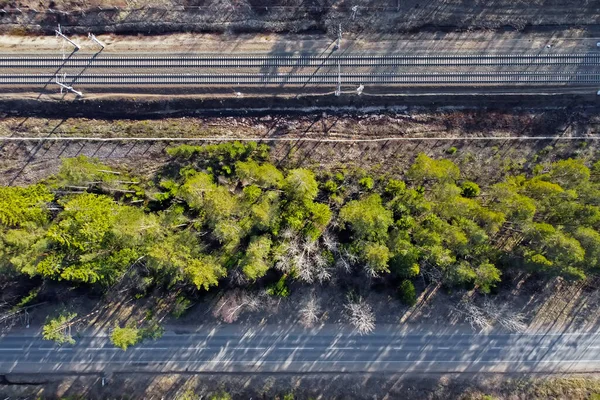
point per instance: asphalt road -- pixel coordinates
(274, 350)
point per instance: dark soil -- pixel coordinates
(324, 16)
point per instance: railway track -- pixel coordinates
(105, 61)
(306, 79)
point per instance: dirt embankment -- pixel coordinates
(143, 107)
(349, 386)
(371, 16)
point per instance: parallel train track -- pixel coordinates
(306, 79)
(206, 61)
(263, 70)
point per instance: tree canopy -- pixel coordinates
(223, 208)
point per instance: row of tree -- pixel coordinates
(225, 210)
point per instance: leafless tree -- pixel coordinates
(485, 316)
(506, 318)
(234, 302)
(474, 315)
(309, 314)
(305, 257)
(238, 277)
(361, 316)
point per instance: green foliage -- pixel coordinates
(58, 328)
(330, 187)
(220, 154)
(180, 256)
(25, 301)
(21, 205)
(263, 175)
(470, 189)
(553, 252)
(589, 239)
(426, 169)
(320, 215)
(86, 172)
(280, 288)
(404, 257)
(92, 240)
(83, 171)
(375, 256)
(215, 202)
(228, 207)
(451, 150)
(125, 337)
(368, 218)
(300, 185)
(153, 330)
(569, 174)
(395, 187)
(367, 183)
(486, 277)
(408, 294)
(182, 304)
(256, 262)
(220, 396)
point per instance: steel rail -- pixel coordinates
(306, 79)
(103, 61)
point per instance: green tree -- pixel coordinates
(93, 239)
(553, 252)
(505, 198)
(266, 213)
(368, 218)
(405, 256)
(256, 262)
(395, 187)
(408, 294)
(570, 173)
(264, 175)
(20, 205)
(300, 185)
(590, 241)
(215, 202)
(426, 169)
(375, 256)
(125, 337)
(486, 277)
(86, 172)
(180, 256)
(58, 328)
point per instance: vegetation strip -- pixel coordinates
(286, 139)
(224, 211)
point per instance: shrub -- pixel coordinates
(451, 150)
(181, 306)
(330, 186)
(221, 396)
(395, 187)
(279, 289)
(367, 183)
(408, 294)
(470, 189)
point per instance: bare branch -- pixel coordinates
(361, 316)
(309, 314)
